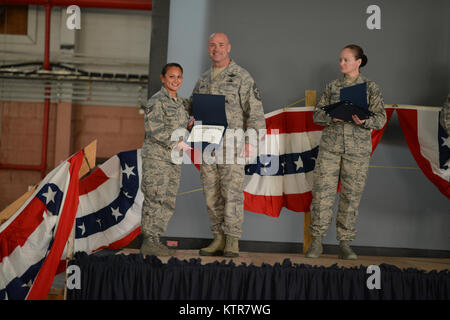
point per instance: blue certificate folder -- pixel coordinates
(353, 100)
(210, 110)
(356, 94)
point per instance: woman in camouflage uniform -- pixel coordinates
(344, 154)
(164, 113)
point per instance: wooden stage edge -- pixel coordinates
(326, 260)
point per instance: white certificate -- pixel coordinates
(206, 133)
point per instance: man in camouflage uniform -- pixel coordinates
(445, 115)
(160, 177)
(344, 154)
(223, 183)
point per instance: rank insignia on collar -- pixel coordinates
(148, 109)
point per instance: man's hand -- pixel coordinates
(248, 151)
(183, 146)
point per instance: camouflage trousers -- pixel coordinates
(160, 182)
(223, 188)
(352, 171)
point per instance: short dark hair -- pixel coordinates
(169, 65)
(359, 53)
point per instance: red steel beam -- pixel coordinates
(104, 4)
(48, 12)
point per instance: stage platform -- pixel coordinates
(128, 275)
(326, 260)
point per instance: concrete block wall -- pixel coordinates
(21, 143)
(115, 128)
(21, 137)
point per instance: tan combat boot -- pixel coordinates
(316, 249)
(153, 246)
(216, 247)
(345, 252)
(231, 247)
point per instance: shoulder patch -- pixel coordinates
(256, 92)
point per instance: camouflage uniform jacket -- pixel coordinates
(344, 137)
(243, 106)
(445, 115)
(163, 115)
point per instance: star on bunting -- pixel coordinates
(116, 213)
(128, 171)
(49, 195)
(299, 163)
(83, 229)
(446, 142)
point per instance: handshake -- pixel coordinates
(248, 150)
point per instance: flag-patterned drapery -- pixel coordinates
(295, 148)
(33, 239)
(428, 142)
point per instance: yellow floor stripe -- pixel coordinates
(395, 167)
(190, 191)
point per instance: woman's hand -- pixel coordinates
(357, 121)
(190, 124)
(337, 120)
(183, 146)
